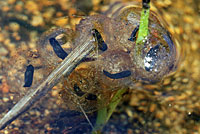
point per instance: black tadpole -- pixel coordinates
(28, 76)
(101, 43)
(133, 34)
(120, 75)
(57, 48)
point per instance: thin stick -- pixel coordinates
(65, 68)
(86, 117)
(83, 111)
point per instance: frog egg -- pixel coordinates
(115, 69)
(83, 87)
(156, 60)
(159, 55)
(54, 46)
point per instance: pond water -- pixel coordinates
(170, 107)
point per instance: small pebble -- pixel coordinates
(18, 7)
(1, 37)
(152, 107)
(37, 20)
(14, 26)
(54, 93)
(32, 6)
(167, 81)
(129, 113)
(11, 97)
(46, 112)
(3, 51)
(160, 114)
(11, 1)
(6, 132)
(185, 80)
(5, 8)
(61, 22)
(5, 99)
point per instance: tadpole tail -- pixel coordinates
(65, 68)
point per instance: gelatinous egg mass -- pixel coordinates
(116, 62)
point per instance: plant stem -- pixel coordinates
(105, 113)
(144, 21)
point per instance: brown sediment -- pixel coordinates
(172, 108)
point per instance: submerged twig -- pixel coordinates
(87, 118)
(65, 68)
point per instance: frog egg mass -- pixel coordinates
(116, 62)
